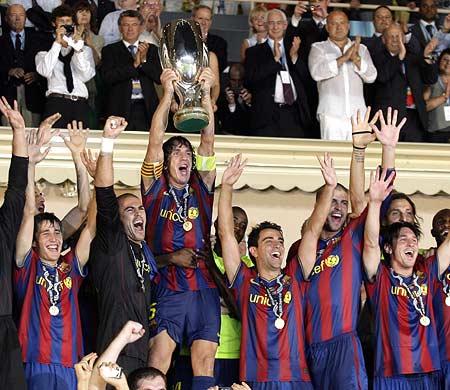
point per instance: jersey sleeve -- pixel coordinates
(372, 286)
(21, 275)
(109, 226)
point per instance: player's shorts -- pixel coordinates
(226, 372)
(187, 315)
(338, 363)
(50, 377)
(299, 385)
(12, 375)
(445, 375)
(428, 381)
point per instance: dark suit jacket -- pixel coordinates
(117, 71)
(35, 92)
(309, 33)
(218, 45)
(391, 83)
(261, 71)
(417, 32)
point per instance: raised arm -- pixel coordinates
(307, 251)
(362, 136)
(388, 135)
(76, 143)
(206, 147)
(83, 247)
(104, 176)
(155, 155)
(230, 247)
(131, 332)
(379, 190)
(24, 239)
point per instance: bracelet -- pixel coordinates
(107, 145)
(359, 148)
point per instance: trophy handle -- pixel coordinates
(205, 56)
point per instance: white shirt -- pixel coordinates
(423, 26)
(149, 37)
(109, 29)
(49, 66)
(279, 95)
(340, 88)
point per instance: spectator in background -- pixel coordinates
(129, 69)
(437, 102)
(400, 81)
(67, 67)
(274, 74)
(234, 103)
(38, 12)
(18, 77)
(109, 28)
(257, 22)
(151, 11)
(340, 67)
(202, 14)
(84, 22)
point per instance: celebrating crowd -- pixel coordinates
(302, 77)
(132, 292)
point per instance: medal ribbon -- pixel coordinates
(181, 209)
(139, 265)
(417, 301)
(277, 306)
(52, 288)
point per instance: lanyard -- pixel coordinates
(139, 265)
(52, 289)
(181, 208)
(276, 301)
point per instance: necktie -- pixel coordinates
(67, 69)
(18, 43)
(320, 25)
(132, 50)
(430, 30)
(288, 92)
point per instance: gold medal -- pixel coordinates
(447, 301)
(53, 310)
(425, 321)
(187, 226)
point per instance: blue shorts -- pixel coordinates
(188, 315)
(445, 375)
(280, 385)
(50, 377)
(226, 372)
(428, 381)
(337, 363)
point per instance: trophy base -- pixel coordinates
(191, 120)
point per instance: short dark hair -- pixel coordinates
(61, 11)
(380, 7)
(338, 186)
(42, 217)
(127, 195)
(174, 142)
(391, 233)
(443, 53)
(143, 373)
(253, 237)
(130, 13)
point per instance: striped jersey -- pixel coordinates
(45, 338)
(165, 232)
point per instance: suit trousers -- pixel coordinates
(413, 130)
(70, 110)
(285, 122)
(139, 119)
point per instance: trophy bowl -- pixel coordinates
(183, 50)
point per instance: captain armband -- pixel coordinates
(205, 163)
(152, 170)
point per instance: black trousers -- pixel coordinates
(70, 110)
(285, 122)
(139, 119)
(413, 130)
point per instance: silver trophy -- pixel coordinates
(183, 50)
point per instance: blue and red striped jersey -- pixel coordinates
(268, 353)
(442, 315)
(403, 345)
(45, 338)
(165, 233)
(333, 290)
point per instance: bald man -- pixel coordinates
(340, 67)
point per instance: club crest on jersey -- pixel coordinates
(68, 282)
(64, 267)
(330, 262)
(287, 297)
(193, 213)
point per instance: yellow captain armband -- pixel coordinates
(205, 163)
(152, 170)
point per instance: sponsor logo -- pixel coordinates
(330, 262)
(401, 291)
